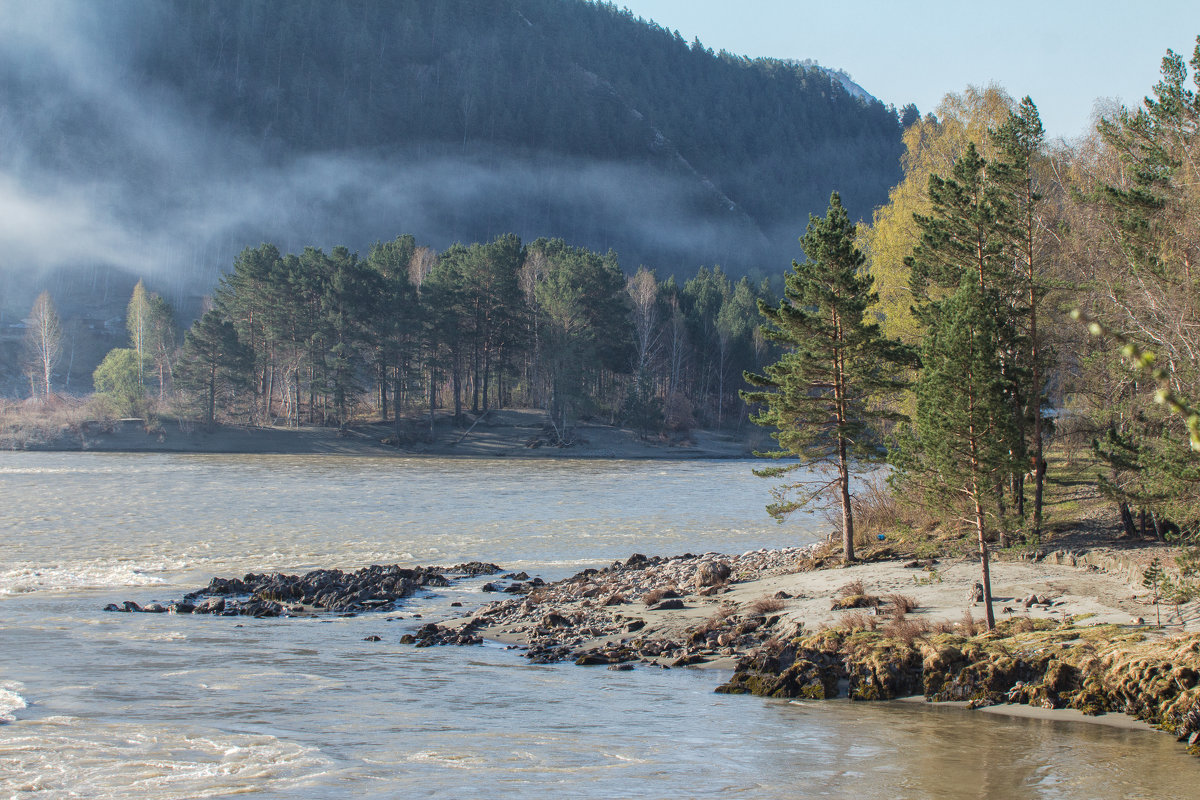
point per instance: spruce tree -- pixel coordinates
(816, 397)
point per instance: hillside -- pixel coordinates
(163, 137)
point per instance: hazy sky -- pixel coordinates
(1063, 53)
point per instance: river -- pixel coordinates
(102, 705)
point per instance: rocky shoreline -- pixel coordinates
(759, 614)
(795, 623)
(374, 588)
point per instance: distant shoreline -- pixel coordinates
(511, 434)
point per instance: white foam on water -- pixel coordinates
(97, 574)
(67, 756)
(452, 760)
(10, 699)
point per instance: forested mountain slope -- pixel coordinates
(175, 133)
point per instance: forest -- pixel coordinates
(211, 125)
(330, 338)
(1010, 296)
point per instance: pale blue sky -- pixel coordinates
(1064, 53)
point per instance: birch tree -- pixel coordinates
(43, 344)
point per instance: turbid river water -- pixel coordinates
(101, 705)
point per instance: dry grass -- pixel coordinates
(717, 620)
(32, 422)
(860, 621)
(902, 603)
(852, 589)
(906, 629)
(766, 605)
(968, 626)
(653, 596)
(875, 509)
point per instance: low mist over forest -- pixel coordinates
(158, 139)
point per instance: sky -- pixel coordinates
(1065, 54)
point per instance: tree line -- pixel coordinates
(939, 337)
(407, 332)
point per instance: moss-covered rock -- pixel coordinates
(1094, 670)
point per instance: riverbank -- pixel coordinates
(514, 434)
(1071, 642)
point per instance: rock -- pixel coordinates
(213, 605)
(129, 605)
(518, 576)
(155, 608)
(855, 601)
(674, 604)
(408, 638)
(621, 667)
(636, 560)
(456, 604)
(975, 593)
(473, 568)
(490, 587)
(688, 659)
(180, 608)
(113, 607)
(712, 573)
(782, 595)
(593, 658)
(634, 625)
(372, 638)
(555, 620)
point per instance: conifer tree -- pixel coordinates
(958, 444)
(964, 239)
(816, 396)
(1019, 142)
(213, 359)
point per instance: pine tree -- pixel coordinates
(1019, 141)
(816, 397)
(213, 359)
(958, 447)
(964, 239)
